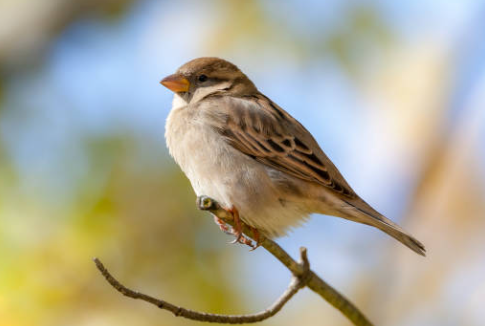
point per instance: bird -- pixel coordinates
(259, 163)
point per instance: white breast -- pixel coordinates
(201, 153)
(217, 170)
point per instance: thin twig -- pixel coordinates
(297, 282)
(301, 276)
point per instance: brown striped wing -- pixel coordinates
(268, 134)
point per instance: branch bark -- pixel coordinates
(301, 276)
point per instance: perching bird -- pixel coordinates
(240, 148)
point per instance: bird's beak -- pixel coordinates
(176, 83)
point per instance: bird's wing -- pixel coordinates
(262, 130)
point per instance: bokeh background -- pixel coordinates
(394, 91)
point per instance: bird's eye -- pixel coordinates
(202, 78)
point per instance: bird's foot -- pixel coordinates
(222, 225)
(258, 238)
(238, 228)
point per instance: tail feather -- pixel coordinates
(400, 235)
(371, 217)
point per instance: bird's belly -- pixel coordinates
(217, 170)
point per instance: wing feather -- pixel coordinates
(262, 130)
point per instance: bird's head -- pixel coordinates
(202, 77)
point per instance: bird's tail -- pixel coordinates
(364, 213)
(397, 233)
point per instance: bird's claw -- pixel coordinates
(222, 225)
(242, 239)
(237, 230)
(257, 238)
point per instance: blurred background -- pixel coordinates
(394, 91)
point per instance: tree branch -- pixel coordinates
(315, 283)
(297, 282)
(301, 276)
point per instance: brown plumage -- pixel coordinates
(242, 149)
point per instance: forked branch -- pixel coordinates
(301, 276)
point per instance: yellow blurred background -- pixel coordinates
(393, 91)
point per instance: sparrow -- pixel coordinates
(240, 148)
